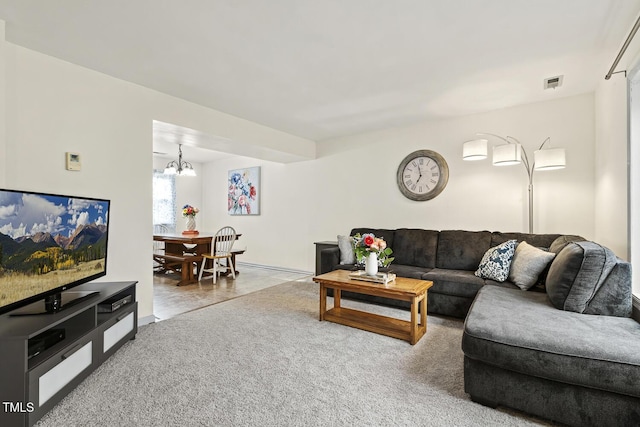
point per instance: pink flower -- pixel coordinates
(242, 200)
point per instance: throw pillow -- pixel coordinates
(496, 262)
(528, 263)
(345, 244)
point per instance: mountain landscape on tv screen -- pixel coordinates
(43, 252)
(47, 241)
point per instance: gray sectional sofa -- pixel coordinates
(448, 258)
(569, 352)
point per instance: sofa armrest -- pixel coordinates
(329, 258)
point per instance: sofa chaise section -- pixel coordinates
(578, 369)
(570, 355)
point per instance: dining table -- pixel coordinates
(191, 244)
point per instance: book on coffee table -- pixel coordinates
(378, 278)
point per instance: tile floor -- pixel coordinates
(170, 300)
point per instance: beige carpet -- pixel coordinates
(264, 359)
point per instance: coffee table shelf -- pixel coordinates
(382, 325)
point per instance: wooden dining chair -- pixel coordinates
(158, 247)
(221, 245)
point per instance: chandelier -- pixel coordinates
(181, 167)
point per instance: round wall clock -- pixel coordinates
(422, 175)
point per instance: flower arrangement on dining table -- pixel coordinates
(188, 210)
(368, 243)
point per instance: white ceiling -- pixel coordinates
(325, 68)
(197, 147)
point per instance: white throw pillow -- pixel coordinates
(528, 262)
(345, 244)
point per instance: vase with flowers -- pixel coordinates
(189, 212)
(373, 251)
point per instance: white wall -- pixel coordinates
(282, 234)
(612, 145)
(611, 190)
(613, 227)
(53, 106)
(353, 184)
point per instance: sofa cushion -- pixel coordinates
(348, 267)
(462, 250)
(506, 284)
(528, 263)
(462, 283)
(415, 247)
(410, 271)
(496, 262)
(562, 241)
(347, 256)
(537, 240)
(523, 332)
(588, 278)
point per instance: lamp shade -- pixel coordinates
(474, 150)
(507, 154)
(549, 159)
(170, 170)
(188, 171)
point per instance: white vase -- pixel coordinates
(191, 223)
(371, 264)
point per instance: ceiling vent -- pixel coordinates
(553, 82)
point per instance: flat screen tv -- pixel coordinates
(48, 244)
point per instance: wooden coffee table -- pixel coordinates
(404, 289)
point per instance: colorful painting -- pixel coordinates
(244, 191)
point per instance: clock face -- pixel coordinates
(422, 175)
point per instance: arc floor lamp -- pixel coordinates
(512, 153)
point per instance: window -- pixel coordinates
(164, 200)
(634, 176)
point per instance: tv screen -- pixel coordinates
(48, 244)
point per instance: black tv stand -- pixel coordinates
(45, 357)
(54, 303)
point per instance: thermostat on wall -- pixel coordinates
(73, 162)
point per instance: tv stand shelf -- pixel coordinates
(45, 356)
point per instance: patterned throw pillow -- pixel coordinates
(496, 262)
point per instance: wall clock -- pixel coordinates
(422, 175)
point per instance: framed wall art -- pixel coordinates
(244, 191)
